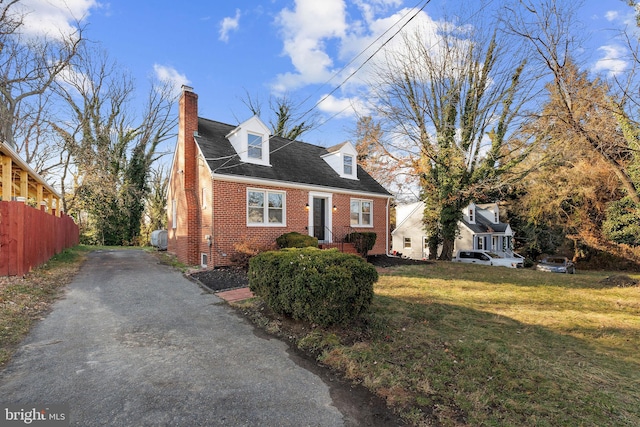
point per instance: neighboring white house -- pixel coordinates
(480, 228)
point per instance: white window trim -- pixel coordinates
(262, 145)
(266, 208)
(203, 260)
(360, 224)
(344, 164)
(405, 241)
(174, 214)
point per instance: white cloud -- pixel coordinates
(343, 107)
(170, 76)
(317, 33)
(53, 18)
(611, 15)
(305, 30)
(229, 24)
(613, 62)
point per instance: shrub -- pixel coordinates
(296, 240)
(319, 286)
(247, 249)
(363, 241)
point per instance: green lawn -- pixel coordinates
(452, 344)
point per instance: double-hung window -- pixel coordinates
(361, 213)
(266, 207)
(348, 165)
(254, 150)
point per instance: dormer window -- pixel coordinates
(471, 215)
(342, 159)
(251, 141)
(348, 165)
(254, 143)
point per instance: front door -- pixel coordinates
(319, 218)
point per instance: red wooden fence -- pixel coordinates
(29, 237)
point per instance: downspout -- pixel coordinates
(388, 231)
(213, 218)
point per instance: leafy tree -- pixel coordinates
(621, 224)
(155, 214)
(448, 105)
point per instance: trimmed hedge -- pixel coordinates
(362, 240)
(319, 286)
(296, 240)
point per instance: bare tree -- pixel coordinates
(111, 149)
(29, 66)
(285, 120)
(448, 98)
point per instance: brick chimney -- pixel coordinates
(188, 126)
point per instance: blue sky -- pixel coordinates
(225, 50)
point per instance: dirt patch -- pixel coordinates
(620, 281)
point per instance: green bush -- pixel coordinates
(319, 286)
(296, 240)
(363, 241)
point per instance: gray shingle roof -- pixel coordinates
(482, 225)
(291, 161)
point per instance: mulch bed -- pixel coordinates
(225, 278)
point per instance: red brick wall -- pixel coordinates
(230, 219)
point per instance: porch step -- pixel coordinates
(347, 248)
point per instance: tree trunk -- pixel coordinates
(447, 250)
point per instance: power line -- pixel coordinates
(337, 73)
(368, 59)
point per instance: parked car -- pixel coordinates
(557, 265)
(488, 258)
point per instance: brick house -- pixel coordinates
(236, 183)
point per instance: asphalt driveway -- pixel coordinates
(134, 343)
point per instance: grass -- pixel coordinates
(450, 344)
(25, 300)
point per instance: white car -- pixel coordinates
(481, 257)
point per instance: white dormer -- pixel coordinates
(470, 213)
(490, 211)
(343, 159)
(251, 141)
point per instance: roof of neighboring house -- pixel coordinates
(34, 177)
(483, 225)
(291, 161)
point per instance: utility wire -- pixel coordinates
(416, 12)
(369, 58)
